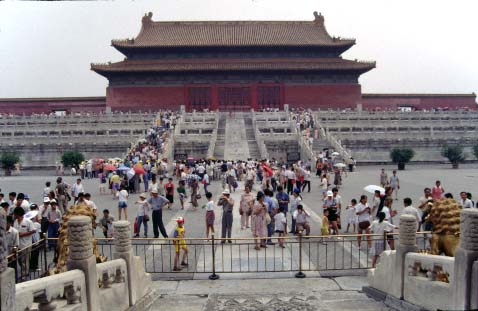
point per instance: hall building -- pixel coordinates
(233, 65)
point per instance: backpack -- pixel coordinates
(103, 179)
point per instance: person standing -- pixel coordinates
(464, 201)
(295, 200)
(25, 230)
(383, 178)
(142, 216)
(363, 215)
(77, 189)
(324, 185)
(123, 203)
(259, 222)
(330, 204)
(61, 194)
(210, 216)
(169, 189)
(54, 218)
(157, 203)
(380, 227)
(410, 210)
(437, 191)
(227, 204)
(395, 183)
(246, 205)
(306, 179)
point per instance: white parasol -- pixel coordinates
(340, 165)
(373, 188)
(335, 153)
(31, 214)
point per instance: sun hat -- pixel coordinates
(154, 191)
(143, 195)
(53, 202)
(330, 193)
(226, 191)
(46, 200)
(180, 220)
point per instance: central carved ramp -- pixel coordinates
(236, 146)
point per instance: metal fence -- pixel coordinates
(30, 262)
(218, 256)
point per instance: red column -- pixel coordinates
(214, 99)
(254, 104)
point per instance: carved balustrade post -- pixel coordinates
(81, 257)
(122, 234)
(407, 243)
(465, 296)
(7, 275)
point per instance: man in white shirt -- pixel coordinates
(11, 236)
(410, 210)
(25, 230)
(464, 201)
(76, 189)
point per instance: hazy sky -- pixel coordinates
(420, 46)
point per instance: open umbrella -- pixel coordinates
(130, 173)
(31, 214)
(123, 168)
(139, 170)
(109, 167)
(372, 188)
(335, 153)
(340, 165)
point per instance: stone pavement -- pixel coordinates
(341, 293)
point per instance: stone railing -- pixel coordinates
(119, 283)
(60, 291)
(259, 140)
(212, 144)
(427, 281)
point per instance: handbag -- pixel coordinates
(364, 224)
(268, 218)
(146, 217)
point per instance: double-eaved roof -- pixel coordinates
(233, 34)
(188, 36)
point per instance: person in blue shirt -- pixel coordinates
(283, 199)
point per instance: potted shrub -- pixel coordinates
(454, 154)
(72, 158)
(8, 160)
(401, 156)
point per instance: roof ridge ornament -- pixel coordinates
(147, 19)
(319, 18)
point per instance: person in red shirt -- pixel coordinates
(437, 191)
(169, 187)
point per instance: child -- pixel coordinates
(179, 234)
(379, 226)
(169, 187)
(107, 224)
(182, 192)
(123, 203)
(143, 215)
(280, 224)
(35, 253)
(210, 217)
(351, 215)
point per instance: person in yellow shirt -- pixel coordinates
(115, 184)
(179, 234)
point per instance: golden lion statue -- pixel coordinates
(445, 217)
(61, 254)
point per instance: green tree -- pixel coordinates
(72, 158)
(454, 153)
(401, 156)
(8, 160)
(475, 151)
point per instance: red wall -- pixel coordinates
(322, 96)
(144, 98)
(48, 105)
(418, 101)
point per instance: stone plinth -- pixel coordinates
(81, 256)
(406, 244)
(465, 256)
(122, 234)
(7, 275)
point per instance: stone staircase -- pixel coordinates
(251, 139)
(221, 137)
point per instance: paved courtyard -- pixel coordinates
(233, 260)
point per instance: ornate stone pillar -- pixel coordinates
(465, 256)
(122, 234)
(7, 275)
(407, 243)
(81, 257)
